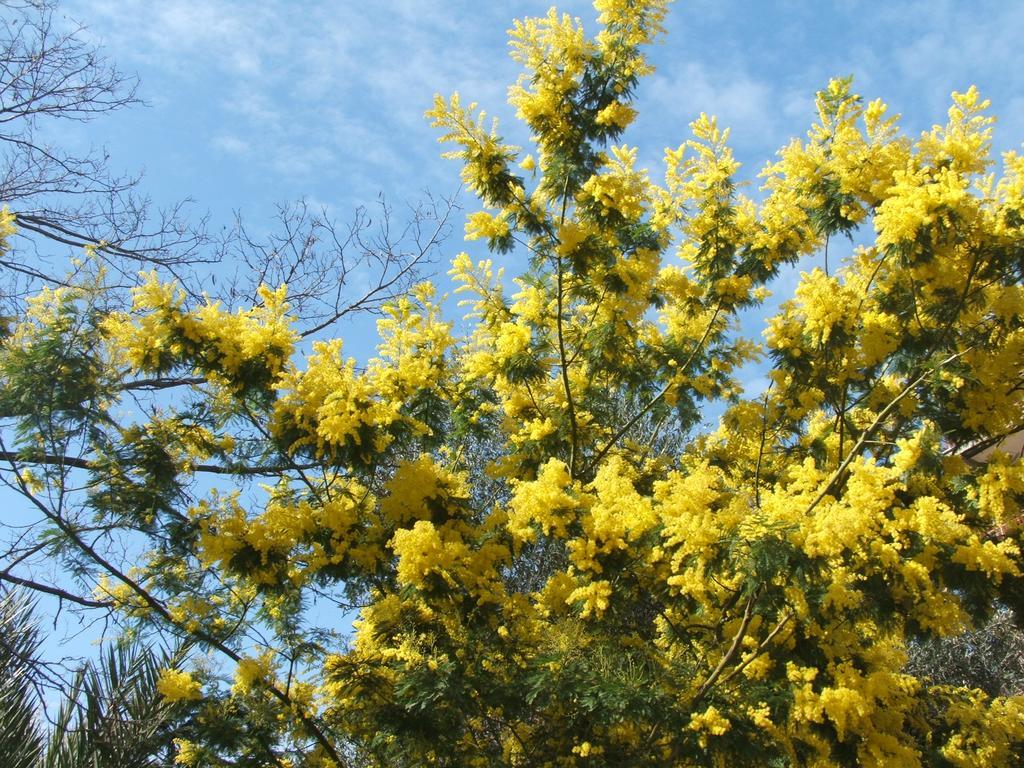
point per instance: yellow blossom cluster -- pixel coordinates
(251, 673)
(245, 349)
(620, 189)
(177, 685)
(329, 407)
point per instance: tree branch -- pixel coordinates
(559, 320)
(867, 433)
(748, 615)
(75, 462)
(654, 401)
(55, 591)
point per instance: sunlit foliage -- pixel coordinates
(551, 562)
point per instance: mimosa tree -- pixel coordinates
(549, 562)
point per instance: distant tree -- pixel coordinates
(49, 74)
(551, 561)
(64, 201)
(990, 657)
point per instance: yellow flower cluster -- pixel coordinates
(187, 753)
(616, 517)
(486, 157)
(248, 348)
(985, 729)
(484, 225)
(617, 114)
(422, 551)
(330, 407)
(620, 189)
(547, 502)
(710, 722)
(593, 598)
(554, 51)
(7, 228)
(176, 685)
(418, 489)
(251, 673)
(627, 26)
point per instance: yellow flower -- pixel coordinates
(710, 722)
(594, 596)
(188, 753)
(483, 225)
(251, 672)
(622, 189)
(175, 685)
(616, 114)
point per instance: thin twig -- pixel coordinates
(77, 462)
(35, 586)
(760, 450)
(855, 451)
(561, 342)
(157, 607)
(760, 648)
(654, 401)
(748, 615)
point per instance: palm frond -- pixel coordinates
(114, 717)
(21, 740)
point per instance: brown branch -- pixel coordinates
(563, 358)
(841, 415)
(748, 615)
(55, 591)
(77, 462)
(762, 646)
(65, 236)
(855, 451)
(384, 283)
(50, 459)
(161, 383)
(760, 450)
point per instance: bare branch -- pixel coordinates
(37, 586)
(49, 72)
(324, 263)
(77, 462)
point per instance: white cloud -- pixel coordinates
(231, 144)
(335, 92)
(186, 35)
(735, 97)
(939, 46)
(677, 95)
(313, 88)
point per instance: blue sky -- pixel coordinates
(253, 100)
(257, 102)
(252, 103)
